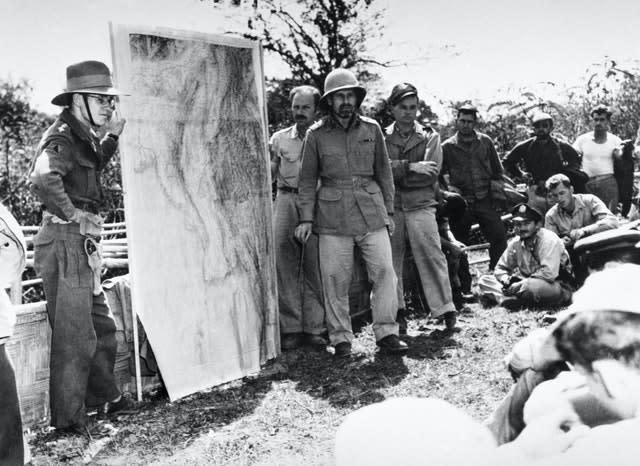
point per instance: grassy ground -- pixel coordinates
(289, 416)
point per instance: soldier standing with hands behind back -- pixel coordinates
(66, 178)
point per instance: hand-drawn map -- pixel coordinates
(198, 203)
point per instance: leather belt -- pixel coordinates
(288, 189)
(91, 207)
(355, 181)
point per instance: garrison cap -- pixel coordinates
(400, 91)
(468, 109)
(523, 212)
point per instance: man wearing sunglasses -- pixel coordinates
(542, 156)
(66, 178)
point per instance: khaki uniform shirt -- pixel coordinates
(541, 258)
(589, 214)
(356, 185)
(286, 152)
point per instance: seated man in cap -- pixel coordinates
(416, 158)
(66, 178)
(529, 269)
(599, 149)
(575, 216)
(542, 156)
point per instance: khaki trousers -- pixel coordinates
(83, 331)
(336, 266)
(299, 291)
(420, 228)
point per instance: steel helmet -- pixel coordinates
(338, 80)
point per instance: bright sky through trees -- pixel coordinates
(473, 48)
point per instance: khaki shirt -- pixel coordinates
(356, 185)
(471, 168)
(589, 215)
(541, 258)
(286, 155)
(413, 190)
(66, 173)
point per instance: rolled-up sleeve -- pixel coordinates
(605, 220)
(506, 264)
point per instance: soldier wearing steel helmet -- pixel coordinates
(346, 196)
(66, 178)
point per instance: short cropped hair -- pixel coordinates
(601, 110)
(590, 336)
(556, 180)
(305, 89)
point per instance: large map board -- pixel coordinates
(195, 171)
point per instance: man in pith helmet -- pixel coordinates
(66, 178)
(353, 206)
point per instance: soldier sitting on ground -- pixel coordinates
(575, 216)
(529, 271)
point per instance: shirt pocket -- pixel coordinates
(85, 178)
(329, 207)
(376, 197)
(364, 155)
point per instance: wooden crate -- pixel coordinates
(29, 351)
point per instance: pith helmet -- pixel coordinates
(86, 77)
(338, 80)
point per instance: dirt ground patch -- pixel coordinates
(290, 415)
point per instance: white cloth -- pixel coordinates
(12, 261)
(597, 158)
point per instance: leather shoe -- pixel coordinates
(450, 320)
(343, 350)
(469, 298)
(315, 341)
(393, 344)
(401, 318)
(125, 405)
(290, 341)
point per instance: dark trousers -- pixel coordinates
(11, 446)
(491, 225)
(83, 331)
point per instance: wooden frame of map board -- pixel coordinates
(197, 184)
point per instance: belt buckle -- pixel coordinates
(357, 182)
